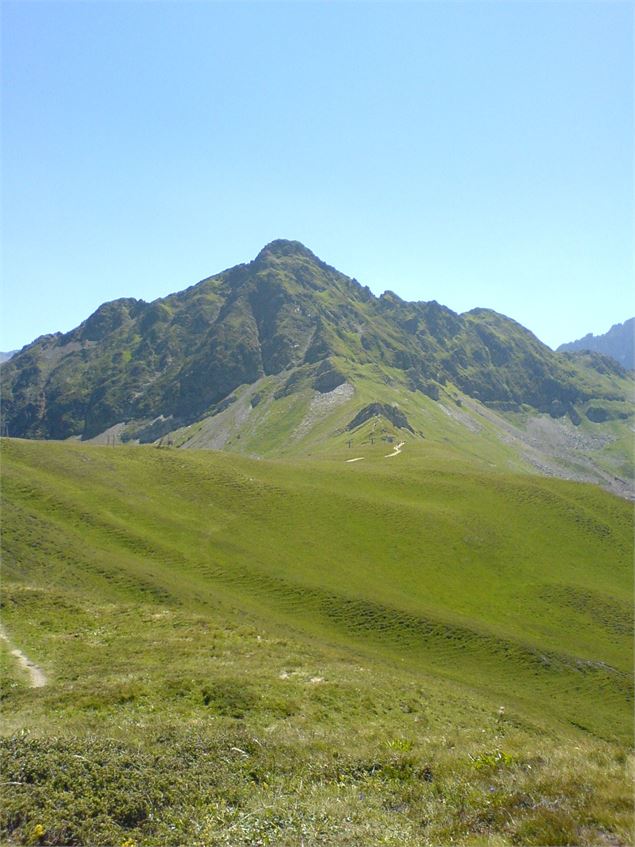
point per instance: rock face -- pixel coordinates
(618, 343)
(285, 313)
(391, 413)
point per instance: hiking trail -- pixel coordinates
(37, 677)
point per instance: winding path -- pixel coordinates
(37, 677)
(395, 452)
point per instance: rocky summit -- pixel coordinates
(260, 357)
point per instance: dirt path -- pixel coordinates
(395, 452)
(37, 677)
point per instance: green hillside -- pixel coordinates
(384, 608)
(265, 421)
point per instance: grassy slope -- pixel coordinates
(298, 426)
(122, 568)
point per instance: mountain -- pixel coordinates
(375, 626)
(4, 357)
(617, 343)
(280, 354)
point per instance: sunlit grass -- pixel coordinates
(246, 652)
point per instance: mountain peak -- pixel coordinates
(618, 342)
(287, 324)
(284, 247)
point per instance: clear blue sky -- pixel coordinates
(478, 154)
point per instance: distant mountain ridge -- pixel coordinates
(281, 354)
(618, 343)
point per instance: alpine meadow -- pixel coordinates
(286, 563)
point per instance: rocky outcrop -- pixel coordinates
(392, 414)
